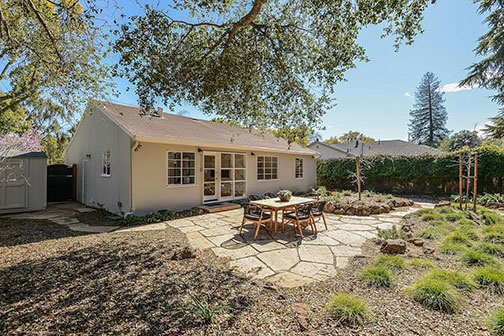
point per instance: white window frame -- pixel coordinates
(301, 171)
(181, 184)
(264, 168)
(106, 165)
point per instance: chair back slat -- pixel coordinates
(251, 209)
(270, 195)
(320, 205)
(254, 198)
(304, 209)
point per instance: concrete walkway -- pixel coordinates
(283, 258)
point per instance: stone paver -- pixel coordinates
(147, 227)
(64, 220)
(92, 229)
(284, 258)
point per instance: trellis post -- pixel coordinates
(475, 192)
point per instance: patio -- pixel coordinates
(283, 258)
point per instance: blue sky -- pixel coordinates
(374, 99)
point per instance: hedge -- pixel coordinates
(427, 174)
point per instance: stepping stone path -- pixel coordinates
(284, 258)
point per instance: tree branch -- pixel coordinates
(245, 21)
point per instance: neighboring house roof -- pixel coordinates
(384, 147)
(172, 128)
(16, 153)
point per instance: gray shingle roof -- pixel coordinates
(385, 147)
(172, 127)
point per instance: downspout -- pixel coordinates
(132, 150)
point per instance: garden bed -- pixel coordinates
(347, 202)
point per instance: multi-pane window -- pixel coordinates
(106, 163)
(267, 168)
(181, 168)
(299, 168)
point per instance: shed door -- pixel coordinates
(13, 184)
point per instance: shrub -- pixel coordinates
(490, 278)
(450, 248)
(493, 249)
(377, 276)
(496, 322)
(392, 233)
(322, 191)
(455, 216)
(420, 263)
(431, 216)
(347, 193)
(348, 309)
(454, 278)
(494, 238)
(475, 258)
(391, 262)
(154, 217)
(202, 308)
(436, 294)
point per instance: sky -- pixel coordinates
(377, 96)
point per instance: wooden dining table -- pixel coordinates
(276, 205)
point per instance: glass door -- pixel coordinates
(233, 175)
(210, 177)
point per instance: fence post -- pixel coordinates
(475, 192)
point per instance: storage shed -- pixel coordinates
(23, 181)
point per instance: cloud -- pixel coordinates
(407, 94)
(330, 126)
(454, 87)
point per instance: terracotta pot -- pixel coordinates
(285, 198)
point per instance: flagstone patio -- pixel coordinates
(284, 258)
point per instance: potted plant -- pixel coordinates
(285, 195)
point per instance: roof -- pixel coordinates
(384, 147)
(172, 128)
(16, 153)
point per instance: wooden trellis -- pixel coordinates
(467, 178)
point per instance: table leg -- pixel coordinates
(276, 220)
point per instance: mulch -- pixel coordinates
(65, 283)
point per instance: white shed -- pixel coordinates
(23, 182)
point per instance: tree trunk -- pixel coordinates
(431, 123)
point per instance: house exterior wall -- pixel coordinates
(149, 177)
(95, 134)
(29, 192)
(326, 152)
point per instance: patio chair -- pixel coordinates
(301, 215)
(318, 212)
(257, 215)
(254, 198)
(270, 195)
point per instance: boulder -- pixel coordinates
(417, 242)
(442, 204)
(394, 246)
(329, 207)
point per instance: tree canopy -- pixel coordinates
(489, 72)
(350, 136)
(428, 116)
(459, 140)
(266, 64)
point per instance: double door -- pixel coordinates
(224, 176)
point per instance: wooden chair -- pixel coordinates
(270, 195)
(301, 215)
(317, 212)
(257, 215)
(254, 198)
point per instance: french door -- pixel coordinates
(224, 176)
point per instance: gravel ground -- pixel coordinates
(127, 283)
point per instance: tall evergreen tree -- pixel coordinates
(428, 117)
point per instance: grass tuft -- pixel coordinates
(392, 233)
(493, 249)
(454, 278)
(436, 294)
(490, 278)
(431, 216)
(377, 276)
(491, 217)
(451, 248)
(455, 216)
(476, 258)
(496, 322)
(458, 237)
(420, 263)
(445, 210)
(391, 262)
(494, 238)
(348, 309)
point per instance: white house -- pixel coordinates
(128, 163)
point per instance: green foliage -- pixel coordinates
(391, 262)
(431, 216)
(436, 294)
(155, 217)
(437, 222)
(496, 322)
(377, 276)
(347, 193)
(349, 137)
(475, 258)
(203, 309)
(491, 217)
(493, 249)
(286, 193)
(392, 233)
(494, 238)
(454, 278)
(420, 263)
(461, 140)
(422, 174)
(347, 309)
(322, 191)
(491, 278)
(254, 65)
(450, 248)
(436, 231)
(423, 212)
(455, 216)
(444, 210)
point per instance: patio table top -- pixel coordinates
(277, 204)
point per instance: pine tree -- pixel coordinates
(428, 117)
